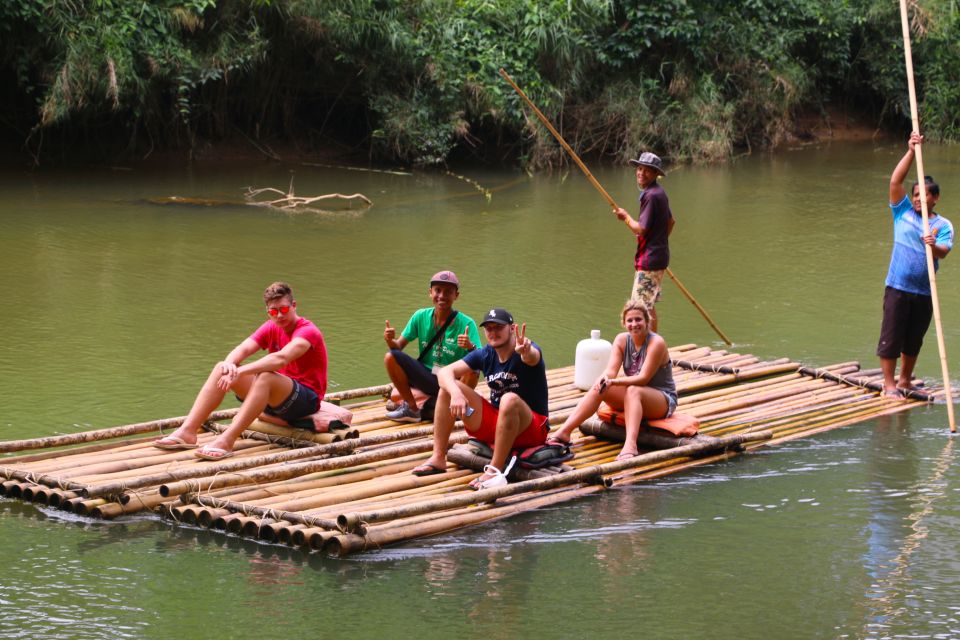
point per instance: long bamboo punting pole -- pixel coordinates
(921, 181)
(596, 184)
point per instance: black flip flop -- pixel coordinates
(427, 469)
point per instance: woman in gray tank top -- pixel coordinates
(646, 388)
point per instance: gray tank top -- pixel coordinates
(662, 379)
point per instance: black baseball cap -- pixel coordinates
(498, 316)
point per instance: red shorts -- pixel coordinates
(535, 434)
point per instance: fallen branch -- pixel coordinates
(290, 200)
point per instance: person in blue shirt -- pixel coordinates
(515, 416)
(907, 302)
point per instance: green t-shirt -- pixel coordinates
(444, 350)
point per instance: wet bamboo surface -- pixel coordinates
(352, 490)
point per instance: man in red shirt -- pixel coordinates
(288, 383)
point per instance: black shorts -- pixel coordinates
(302, 401)
(906, 318)
(418, 376)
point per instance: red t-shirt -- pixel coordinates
(310, 369)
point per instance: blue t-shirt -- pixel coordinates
(530, 383)
(908, 262)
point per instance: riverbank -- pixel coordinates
(812, 127)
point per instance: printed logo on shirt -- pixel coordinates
(500, 383)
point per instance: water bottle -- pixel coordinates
(591, 359)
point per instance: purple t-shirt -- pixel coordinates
(310, 369)
(653, 251)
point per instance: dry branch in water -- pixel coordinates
(290, 200)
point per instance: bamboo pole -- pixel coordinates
(347, 543)
(155, 425)
(921, 181)
(609, 199)
(235, 465)
(104, 434)
(349, 521)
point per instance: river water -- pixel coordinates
(115, 308)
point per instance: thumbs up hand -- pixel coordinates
(389, 333)
(463, 340)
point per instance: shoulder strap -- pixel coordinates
(436, 336)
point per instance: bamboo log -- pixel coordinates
(873, 386)
(104, 434)
(348, 522)
(238, 508)
(464, 457)
(236, 465)
(154, 425)
(646, 439)
(346, 543)
(289, 471)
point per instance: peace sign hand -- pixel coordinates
(523, 345)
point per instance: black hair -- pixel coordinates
(930, 184)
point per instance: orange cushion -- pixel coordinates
(679, 424)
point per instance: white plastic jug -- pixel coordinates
(591, 359)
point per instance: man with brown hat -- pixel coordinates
(444, 334)
(652, 229)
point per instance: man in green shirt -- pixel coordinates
(444, 335)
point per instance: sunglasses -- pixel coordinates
(275, 311)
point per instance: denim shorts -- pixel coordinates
(302, 401)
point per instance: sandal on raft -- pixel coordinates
(173, 443)
(497, 478)
(427, 469)
(626, 456)
(213, 453)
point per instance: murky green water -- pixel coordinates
(115, 309)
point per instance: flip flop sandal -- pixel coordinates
(213, 453)
(427, 470)
(173, 443)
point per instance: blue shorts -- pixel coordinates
(302, 401)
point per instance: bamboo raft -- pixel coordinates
(352, 490)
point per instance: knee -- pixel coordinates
(634, 392)
(263, 379)
(389, 359)
(511, 403)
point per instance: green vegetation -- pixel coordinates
(417, 81)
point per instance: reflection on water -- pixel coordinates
(902, 504)
(120, 307)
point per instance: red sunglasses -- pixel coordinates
(275, 311)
